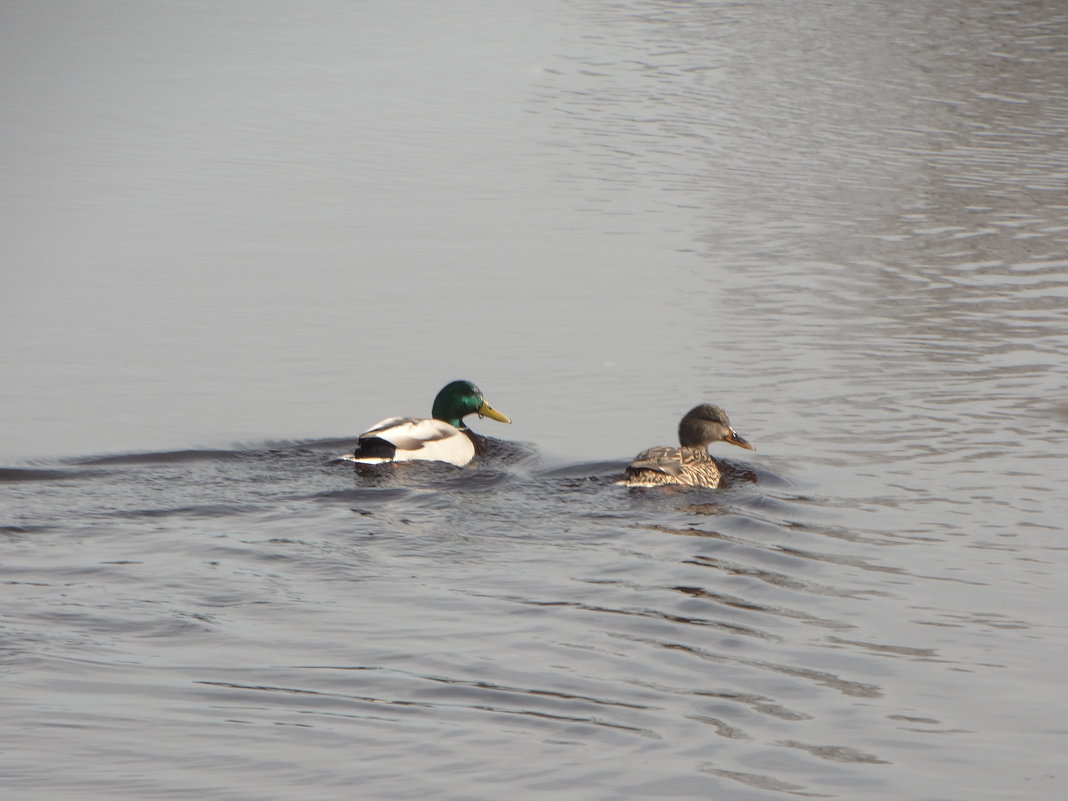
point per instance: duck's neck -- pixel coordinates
(448, 416)
(450, 410)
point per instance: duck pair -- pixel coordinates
(444, 437)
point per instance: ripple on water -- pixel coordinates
(472, 610)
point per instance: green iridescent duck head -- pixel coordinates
(458, 399)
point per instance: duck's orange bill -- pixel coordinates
(734, 438)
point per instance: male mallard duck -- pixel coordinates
(442, 438)
(690, 465)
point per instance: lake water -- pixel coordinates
(235, 235)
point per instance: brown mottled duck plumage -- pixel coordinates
(690, 464)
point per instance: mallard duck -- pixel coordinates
(689, 465)
(440, 438)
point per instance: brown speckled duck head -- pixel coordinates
(708, 423)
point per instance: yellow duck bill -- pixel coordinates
(485, 410)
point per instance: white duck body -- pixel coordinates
(413, 439)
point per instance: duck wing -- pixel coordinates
(404, 439)
(410, 433)
(664, 459)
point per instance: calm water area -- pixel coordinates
(234, 235)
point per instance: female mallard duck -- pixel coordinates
(690, 465)
(442, 438)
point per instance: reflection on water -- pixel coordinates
(845, 223)
(509, 606)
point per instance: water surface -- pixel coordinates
(229, 247)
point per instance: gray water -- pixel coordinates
(234, 235)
